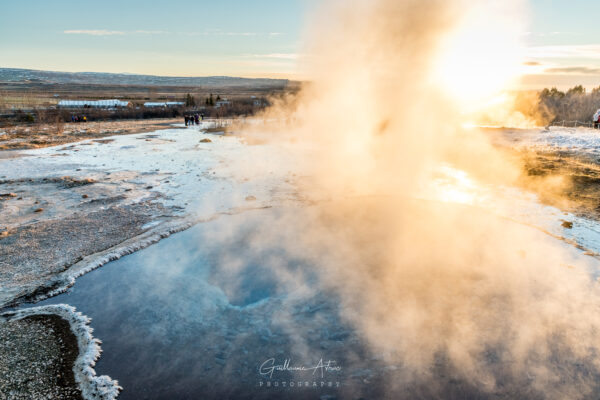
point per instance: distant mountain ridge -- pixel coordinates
(105, 78)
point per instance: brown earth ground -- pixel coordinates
(567, 180)
(33, 136)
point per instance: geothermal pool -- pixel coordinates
(181, 320)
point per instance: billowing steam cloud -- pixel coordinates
(506, 309)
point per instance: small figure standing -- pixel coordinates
(197, 119)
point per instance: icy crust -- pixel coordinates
(91, 386)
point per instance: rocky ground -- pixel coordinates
(36, 359)
(48, 223)
(44, 135)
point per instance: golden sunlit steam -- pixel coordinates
(430, 282)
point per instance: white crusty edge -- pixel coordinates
(92, 387)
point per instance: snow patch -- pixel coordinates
(584, 140)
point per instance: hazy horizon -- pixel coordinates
(262, 39)
(141, 74)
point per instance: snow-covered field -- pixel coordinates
(174, 164)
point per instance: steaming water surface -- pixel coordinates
(196, 315)
(177, 322)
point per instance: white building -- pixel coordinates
(151, 104)
(93, 103)
(222, 103)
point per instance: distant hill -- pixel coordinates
(102, 78)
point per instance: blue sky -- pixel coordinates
(564, 38)
(171, 37)
(240, 37)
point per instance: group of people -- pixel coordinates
(78, 118)
(193, 119)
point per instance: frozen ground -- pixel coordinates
(49, 352)
(38, 354)
(581, 140)
(574, 152)
(44, 135)
(192, 176)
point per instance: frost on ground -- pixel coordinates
(583, 140)
(66, 210)
(561, 165)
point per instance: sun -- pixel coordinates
(483, 55)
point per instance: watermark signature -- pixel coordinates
(268, 367)
(319, 370)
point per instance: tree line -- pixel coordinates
(190, 101)
(575, 104)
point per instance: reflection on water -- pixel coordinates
(195, 315)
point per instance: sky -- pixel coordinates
(257, 38)
(564, 40)
(171, 37)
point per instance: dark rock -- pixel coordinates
(567, 224)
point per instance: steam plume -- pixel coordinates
(511, 311)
